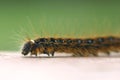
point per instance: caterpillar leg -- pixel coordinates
(108, 53)
(45, 52)
(95, 54)
(85, 55)
(76, 55)
(33, 53)
(52, 54)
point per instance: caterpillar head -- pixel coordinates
(27, 47)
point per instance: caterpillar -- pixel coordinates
(75, 46)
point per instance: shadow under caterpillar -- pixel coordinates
(74, 46)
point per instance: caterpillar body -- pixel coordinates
(74, 46)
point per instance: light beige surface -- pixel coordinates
(14, 66)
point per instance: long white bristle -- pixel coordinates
(32, 41)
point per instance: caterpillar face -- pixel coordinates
(27, 47)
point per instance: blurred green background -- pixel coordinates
(33, 18)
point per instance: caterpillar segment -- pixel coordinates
(106, 45)
(44, 46)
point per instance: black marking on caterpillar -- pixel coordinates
(77, 47)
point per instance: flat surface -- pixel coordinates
(14, 66)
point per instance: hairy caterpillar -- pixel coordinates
(74, 46)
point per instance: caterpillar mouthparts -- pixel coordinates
(74, 46)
